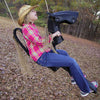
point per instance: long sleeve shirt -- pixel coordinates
(34, 41)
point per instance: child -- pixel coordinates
(43, 55)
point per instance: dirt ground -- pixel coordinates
(45, 84)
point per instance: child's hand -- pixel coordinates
(56, 34)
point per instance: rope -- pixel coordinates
(10, 12)
(47, 32)
(47, 5)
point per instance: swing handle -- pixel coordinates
(18, 41)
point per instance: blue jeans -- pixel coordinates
(62, 59)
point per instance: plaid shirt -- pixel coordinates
(34, 41)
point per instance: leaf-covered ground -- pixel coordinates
(44, 83)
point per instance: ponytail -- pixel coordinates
(25, 68)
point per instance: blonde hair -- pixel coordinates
(24, 65)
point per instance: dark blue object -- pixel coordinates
(55, 19)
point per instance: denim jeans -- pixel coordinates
(62, 59)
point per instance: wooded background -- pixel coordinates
(87, 25)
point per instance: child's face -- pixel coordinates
(32, 15)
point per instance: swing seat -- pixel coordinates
(15, 31)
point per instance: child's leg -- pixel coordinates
(57, 60)
(62, 52)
